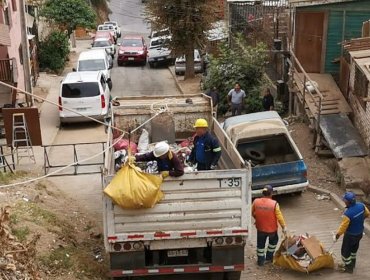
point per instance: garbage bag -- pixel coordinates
(123, 144)
(325, 260)
(133, 189)
(143, 145)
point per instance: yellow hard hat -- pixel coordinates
(201, 123)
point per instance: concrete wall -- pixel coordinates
(15, 36)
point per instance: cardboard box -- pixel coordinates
(313, 247)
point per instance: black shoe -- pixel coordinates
(347, 270)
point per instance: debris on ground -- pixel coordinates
(323, 197)
(16, 259)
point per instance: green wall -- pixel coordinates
(352, 15)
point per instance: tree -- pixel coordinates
(68, 14)
(243, 64)
(188, 21)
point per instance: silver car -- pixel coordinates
(180, 65)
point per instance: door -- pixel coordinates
(309, 40)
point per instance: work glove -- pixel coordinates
(130, 160)
(212, 167)
(285, 230)
(165, 174)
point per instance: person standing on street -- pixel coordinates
(268, 100)
(267, 214)
(213, 93)
(236, 98)
(352, 227)
(206, 151)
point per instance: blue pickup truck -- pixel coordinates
(263, 139)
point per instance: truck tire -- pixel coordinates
(235, 275)
(255, 154)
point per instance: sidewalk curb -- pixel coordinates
(337, 201)
(176, 81)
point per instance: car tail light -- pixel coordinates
(102, 98)
(305, 174)
(60, 103)
(219, 240)
(117, 247)
(238, 239)
(229, 240)
(127, 246)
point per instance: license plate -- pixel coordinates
(131, 58)
(177, 253)
(81, 109)
(161, 58)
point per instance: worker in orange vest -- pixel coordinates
(267, 214)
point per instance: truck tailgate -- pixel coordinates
(201, 204)
(282, 174)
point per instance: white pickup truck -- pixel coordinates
(203, 222)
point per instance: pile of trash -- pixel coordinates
(122, 147)
(303, 253)
(16, 259)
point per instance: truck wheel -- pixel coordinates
(235, 275)
(255, 154)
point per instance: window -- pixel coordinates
(361, 86)
(78, 90)
(91, 65)
(7, 17)
(14, 5)
(103, 83)
(20, 52)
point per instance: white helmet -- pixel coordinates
(160, 149)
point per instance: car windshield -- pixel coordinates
(132, 43)
(160, 33)
(112, 23)
(78, 90)
(91, 65)
(158, 43)
(100, 44)
(106, 27)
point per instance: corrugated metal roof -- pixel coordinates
(4, 35)
(302, 3)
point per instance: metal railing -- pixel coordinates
(316, 97)
(48, 166)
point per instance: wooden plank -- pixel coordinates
(330, 112)
(183, 216)
(228, 204)
(329, 107)
(186, 225)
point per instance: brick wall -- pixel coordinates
(361, 115)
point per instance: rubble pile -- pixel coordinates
(16, 259)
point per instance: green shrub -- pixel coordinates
(54, 51)
(243, 64)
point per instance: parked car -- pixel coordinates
(96, 60)
(264, 140)
(85, 92)
(108, 27)
(160, 33)
(132, 49)
(103, 34)
(106, 44)
(116, 27)
(159, 52)
(180, 65)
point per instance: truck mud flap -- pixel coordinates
(228, 255)
(129, 260)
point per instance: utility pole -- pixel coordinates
(25, 53)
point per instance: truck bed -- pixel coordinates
(195, 205)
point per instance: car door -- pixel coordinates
(105, 95)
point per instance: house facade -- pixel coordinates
(320, 26)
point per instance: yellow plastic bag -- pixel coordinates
(132, 189)
(325, 260)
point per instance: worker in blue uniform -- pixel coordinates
(207, 151)
(352, 227)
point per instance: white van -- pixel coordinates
(85, 92)
(96, 60)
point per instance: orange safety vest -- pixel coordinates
(264, 213)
